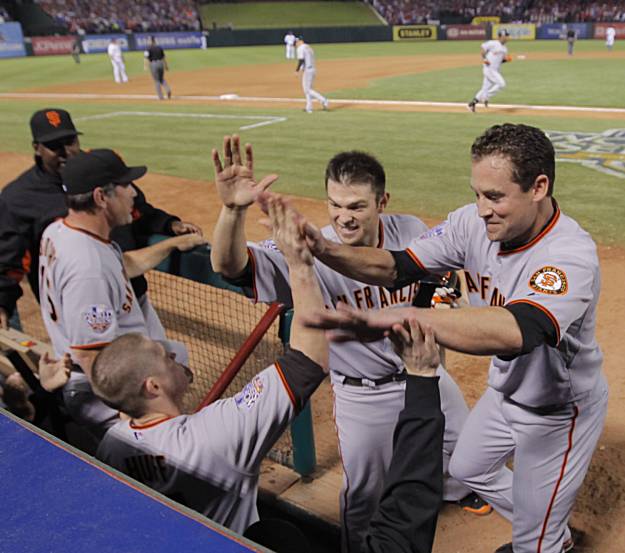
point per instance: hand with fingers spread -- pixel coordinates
(53, 373)
(417, 347)
(234, 179)
(287, 231)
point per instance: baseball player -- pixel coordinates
(610, 35)
(84, 279)
(35, 198)
(533, 281)
(76, 50)
(117, 61)
(571, 36)
(210, 460)
(494, 53)
(154, 60)
(306, 63)
(289, 42)
(367, 379)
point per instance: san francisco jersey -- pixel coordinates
(371, 360)
(557, 272)
(210, 461)
(495, 53)
(86, 297)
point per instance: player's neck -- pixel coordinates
(93, 223)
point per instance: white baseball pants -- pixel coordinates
(551, 457)
(493, 82)
(365, 420)
(119, 71)
(308, 79)
(290, 52)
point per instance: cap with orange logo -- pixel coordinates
(52, 124)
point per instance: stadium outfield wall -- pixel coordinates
(15, 44)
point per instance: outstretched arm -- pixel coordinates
(304, 285)
(474, 330)
(405, 520)
(237, 189)
(138, 262)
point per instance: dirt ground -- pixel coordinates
(600, 508)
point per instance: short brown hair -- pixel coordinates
(528, 149)
(357, 167)
(120, 369)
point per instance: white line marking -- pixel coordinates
(264, 119)
(252, 99)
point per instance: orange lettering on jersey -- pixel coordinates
(484, 284)
(358, 298)
(394, 298)
(402, 295)
(472, 287)
(368, 297)
(341, 298)
(383, 297)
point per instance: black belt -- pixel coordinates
(397, 377)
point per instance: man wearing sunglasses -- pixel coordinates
(35, 198)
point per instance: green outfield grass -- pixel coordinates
(263, 15)
(426, 154)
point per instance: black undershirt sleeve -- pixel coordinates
(407, 270)
(301, 374)
(300, 64)
(536, 327)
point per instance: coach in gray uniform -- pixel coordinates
(533, 277)
(84, 279)
(154, 57)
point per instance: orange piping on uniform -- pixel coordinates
(285, 383)
(96, 345)
(416, 260)
(88, 233)
(542, 234)
(553, 320)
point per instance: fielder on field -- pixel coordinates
(116, 56)
(368, 379)
(306, 63)
(534, 282)
(494, 53)
(289, 43)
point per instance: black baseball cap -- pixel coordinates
(88, 170)
(52, 124)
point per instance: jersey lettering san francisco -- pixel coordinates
(371, 360)
(557, 273)
(86, 296)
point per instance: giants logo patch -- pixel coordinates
(249, 395)
(549, 280)
(53, 118)
(98, 317)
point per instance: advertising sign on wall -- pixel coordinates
(465, 32)
(555, 31)
(601, 27)
(518, 31)
(11, 40)
(169, 41)
(50, 45)
(415, 32)
(95, 44)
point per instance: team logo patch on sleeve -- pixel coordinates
(549, 280)
(98, 317)
(438, 230)
(249, 395)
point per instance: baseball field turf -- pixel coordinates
(424, 152)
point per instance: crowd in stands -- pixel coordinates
(405, 12)
(104, 16)
(4, 15)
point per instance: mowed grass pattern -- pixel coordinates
(426, 155)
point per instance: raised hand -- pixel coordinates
(54, 374)
(416, 346)
(234, 179)
(287, 231)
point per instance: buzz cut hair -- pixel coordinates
(120, 369)
(356, 167)
(528, 149)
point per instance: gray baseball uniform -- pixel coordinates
(547, 405)
(306, 53)
(365, 415)
(210, 460)
(493, 82)
(86, 301)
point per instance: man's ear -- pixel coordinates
(540, 188)
(151, 387)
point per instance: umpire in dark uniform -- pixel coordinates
(35, 199)
(154, 57)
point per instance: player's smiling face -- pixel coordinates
(354, 212)
(53, 155)
(510, 214)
